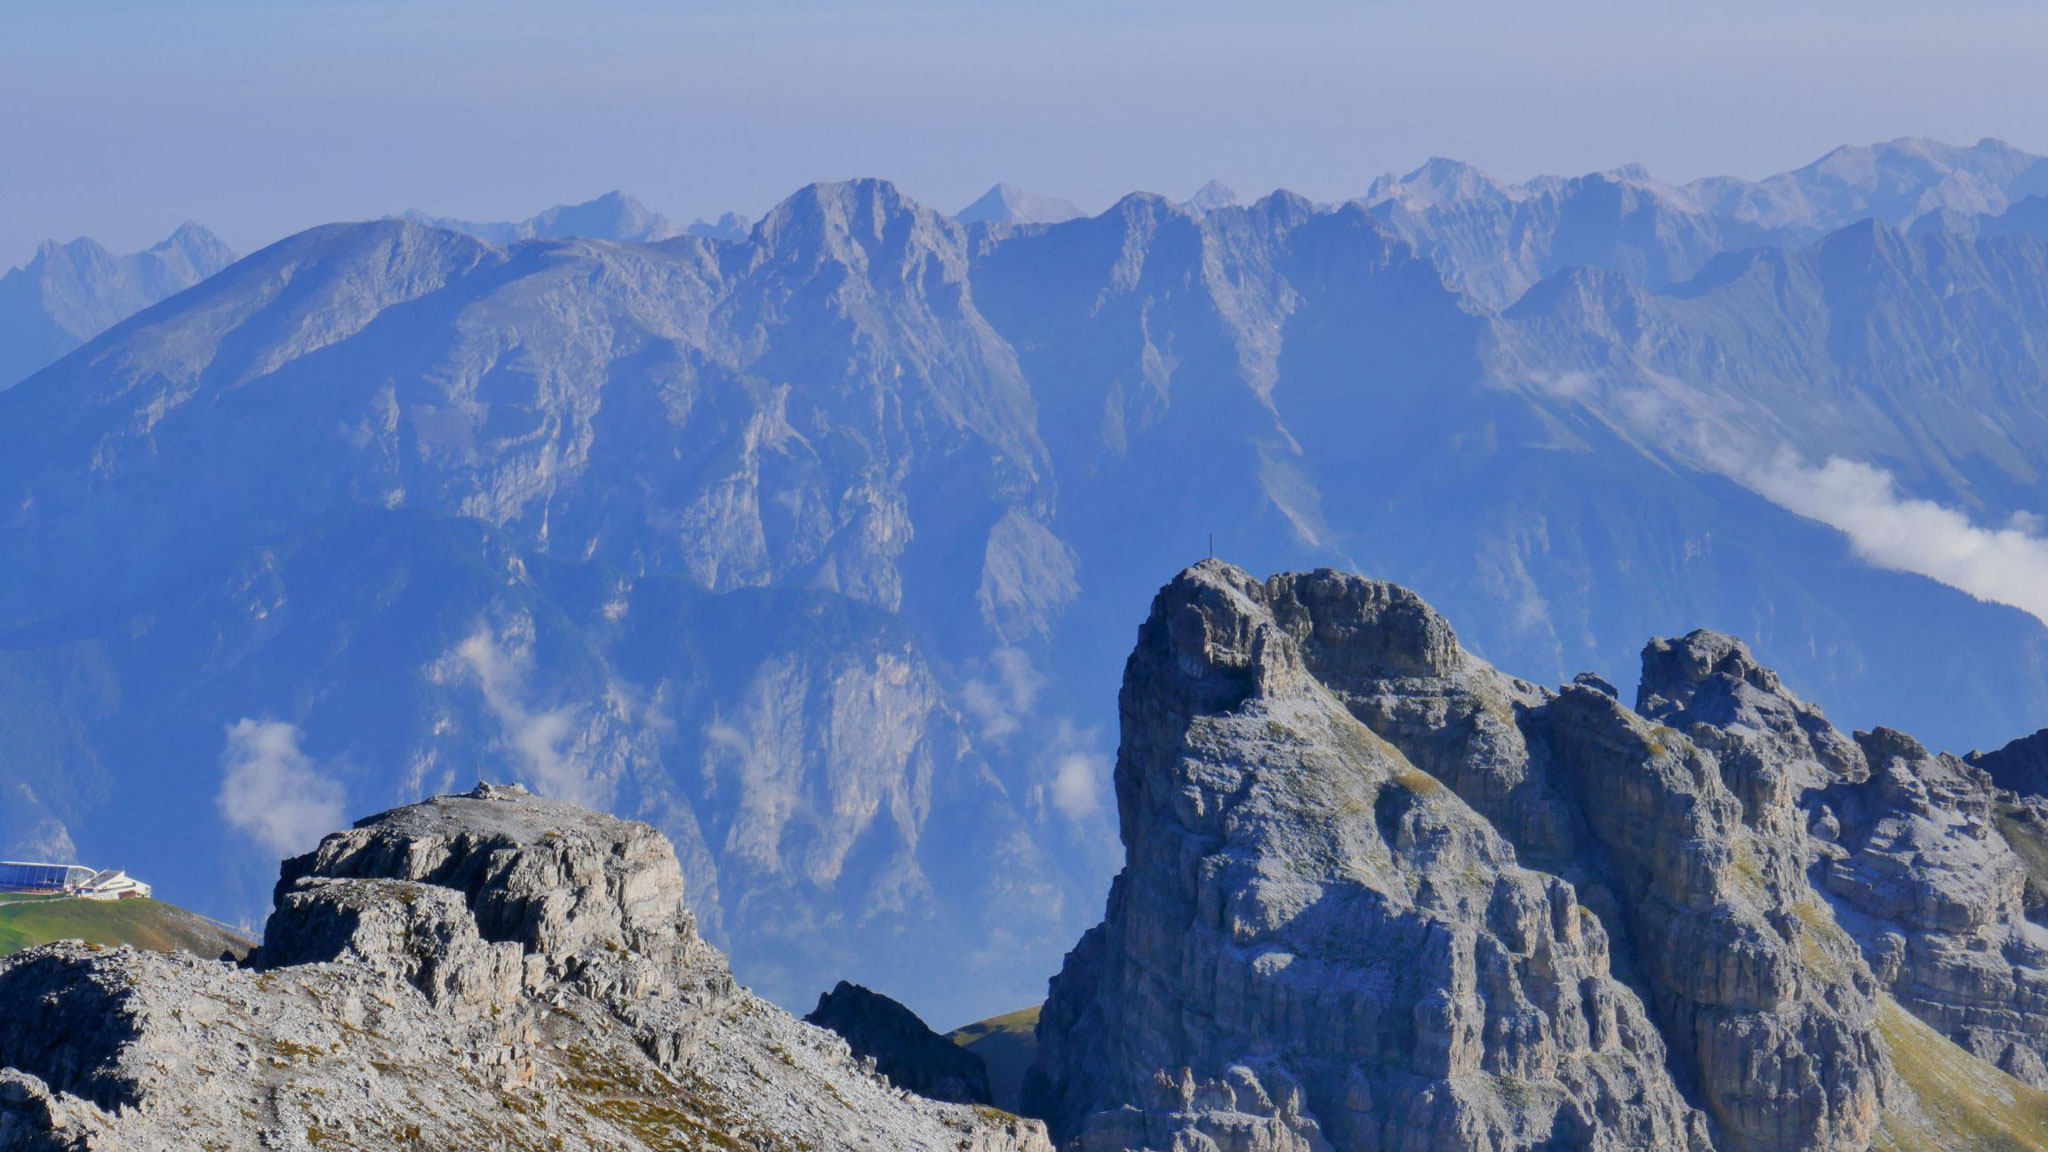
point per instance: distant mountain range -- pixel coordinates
(1495, 239)
(70, 293)
(817, 543)
(612, 216)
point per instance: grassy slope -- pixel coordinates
(1007, 1044)
(1969, 1106)
(146, 924)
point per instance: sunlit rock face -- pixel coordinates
(1314, 943)
(482, 969)
(1379, 895)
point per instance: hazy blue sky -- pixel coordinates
(120, 118)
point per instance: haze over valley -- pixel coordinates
(816, 541)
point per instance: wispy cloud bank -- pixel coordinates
(271, 790)
(536, 736)
(1001, 699)
(2006, 565)
(1886, 527)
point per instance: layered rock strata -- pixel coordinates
(1379, 895)
(1919, 855)
(485, 970)
(1691, 860)
(1315, 944)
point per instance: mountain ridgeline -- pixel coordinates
(815, 545)
(69, 293)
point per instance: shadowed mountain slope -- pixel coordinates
(817, 548)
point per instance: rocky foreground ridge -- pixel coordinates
(1378, 895)
(489, 970)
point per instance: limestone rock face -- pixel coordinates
(1378, 894)
(1690, 857)
(1925, 874)
(1314, 943)
(906, 1051)
(484, 970)
(1915, 852)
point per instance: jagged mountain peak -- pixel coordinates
(612, 216)
(1895, 181)
(859, 221)
(70, 292)
(1277, 846)
(1007, 204)
(873, 195)
(730, 226)
(1210, 197)
(1438, 181)
(78, 250)
(198, 244)
(1291, 745)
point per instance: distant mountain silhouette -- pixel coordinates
(70, 293)
(1007, 204)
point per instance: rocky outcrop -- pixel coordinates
(905, 1050)
(1314, 943)
(1378, 895)
(2020, 767)
(479, 970)
(1914, 852)
(1922, 872)
(1683, 856)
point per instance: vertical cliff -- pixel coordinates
(1378, 894)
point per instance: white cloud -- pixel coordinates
(1563, 385)
(271, 790)
(1077, 784)
(2006, 565)
(1887, 528)
(536, 737)
(1000, 701)
(1072, 772)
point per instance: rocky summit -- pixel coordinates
(483, 970)
(913, 1057)
(1378, 895)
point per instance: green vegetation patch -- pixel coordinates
(1008, 1045)
(147, 924)
(658, 1111)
